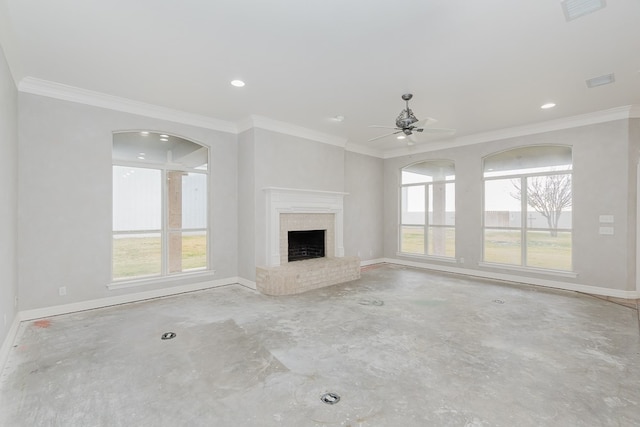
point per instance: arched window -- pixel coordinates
(427, 209)
(160, 201)
(527, 207)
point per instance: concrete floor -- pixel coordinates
(402, 347)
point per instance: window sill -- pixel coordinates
(174, 279)
(427, 257)
(558, 273)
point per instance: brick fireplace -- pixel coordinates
(302, 210)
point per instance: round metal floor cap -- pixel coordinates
(330, 398)
(168, 335)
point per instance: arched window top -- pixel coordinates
(429, 171)
(159, 148)
(527, 160)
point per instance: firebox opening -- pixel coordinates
(306, 244)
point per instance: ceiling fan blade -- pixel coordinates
(436, 130)
(384, 127)
(385, 135)
(424, 122)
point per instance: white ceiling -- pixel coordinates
(476, 66)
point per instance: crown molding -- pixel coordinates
(266, 123)
(612, 114)
(96, 99)
(361, 149)
(87, 97)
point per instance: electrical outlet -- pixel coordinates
(461, 260)
(62, 291)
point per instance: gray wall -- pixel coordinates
(363, 207)
(8, 197)
(603, 183)
(65, 198)
(287, 161)
(246, 205)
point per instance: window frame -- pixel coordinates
(524, 228)
(428, 191)
(165, 230)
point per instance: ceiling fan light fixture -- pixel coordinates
(237, 83)
(400, 137)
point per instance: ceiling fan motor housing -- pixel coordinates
(405, 119)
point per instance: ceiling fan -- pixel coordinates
(407, 123)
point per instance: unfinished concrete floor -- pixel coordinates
(401, 347)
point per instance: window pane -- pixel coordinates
(503, 246)
(412, 240)
(442, 241)
(414, 178)
(136, 255)
(528, 160)
(413, 205)
(502, 208)
(549, 202)
(187, 251)
(194, 200)
(159, 148)
(187, 200)
(428, 171)
(546, 249)
(136, 199)
(442, 204)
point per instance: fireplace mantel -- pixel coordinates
(300, 201)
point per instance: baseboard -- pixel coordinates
(587, 289)
(371, 262)
(7, 344)
(247, 283)
(122, 299)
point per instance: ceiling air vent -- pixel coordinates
(601, 80)
(576, 8)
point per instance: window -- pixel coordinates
(160, 200)
(427, 209)
(527, 207)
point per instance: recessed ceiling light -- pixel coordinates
(164, 139)
(141, 154)
(144, 133)
(601, 80)
(548, 105)
(164, 136)
(237, 83)
(338, 118)
(401, 137)
(141, 157)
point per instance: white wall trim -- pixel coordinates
(175, 280)
(367, 151)
(618, 113)
(247, 283)
(8, 342)
(587, 289)
(96, 99)
(290, 129)
(371, 262)
(294, 200)
(122, 299)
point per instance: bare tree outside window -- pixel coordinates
(548, 195)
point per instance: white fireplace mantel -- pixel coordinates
(291, 200)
